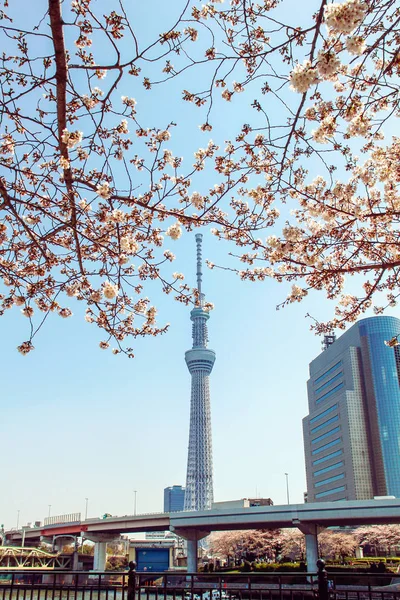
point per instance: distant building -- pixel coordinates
(230, 504)
(242, 503)
(260, 502)
(351, 435)
(174, 498)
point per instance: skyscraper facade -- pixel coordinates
(174, 498)
(352, 432)
(200, 361)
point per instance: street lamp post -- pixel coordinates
(86, 507)
(49, 510)
(287, 487)
(134, 503)
(18, 519)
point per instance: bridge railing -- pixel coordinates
(35, 584)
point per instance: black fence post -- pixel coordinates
(323, 593)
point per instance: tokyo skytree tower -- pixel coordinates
(200, 361)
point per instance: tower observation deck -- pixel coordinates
(200, 361)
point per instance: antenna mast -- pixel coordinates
(199, 241)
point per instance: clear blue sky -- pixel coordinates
(78, 422)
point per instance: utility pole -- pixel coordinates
(287, 487)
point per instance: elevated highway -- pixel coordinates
(325, 514)
(194, 525)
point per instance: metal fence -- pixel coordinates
(77, 585)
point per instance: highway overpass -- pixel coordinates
(196, 524)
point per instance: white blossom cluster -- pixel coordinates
(131, 102)
(355, 44)
(122, 127)
(344, 17)
(326, 130)
(129, 244)
(116, 216)
(359, 126)
(328, 64)
(169, 255)
(296, 294)
(71, 138)
(197, 200)
(64, 162)
(110, 290)
(292, 234)
(303, 77)
(103, 190)
(394, 341)
(25, 348)
(174, 231)
(7, 144)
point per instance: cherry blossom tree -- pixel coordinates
(247, 545)
(93, 198)
(227, 544)
(379, 535)
(293, 543)
(337, 543)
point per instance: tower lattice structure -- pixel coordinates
(200, 361)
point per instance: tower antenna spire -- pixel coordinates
(199, 241)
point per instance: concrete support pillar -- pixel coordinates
(59, 541)
(100, 548)
(311, 534)
(192, 550)
(192, 538)
(311, 551)
(100, 556)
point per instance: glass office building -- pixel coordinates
(174, 498)
(352, 432)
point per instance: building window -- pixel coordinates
(328, 372)
(330, 468)
(329, 480)
(397, 360)
(333, 391)
(326, 412)
(328, 422)
(329, 445)
(328, 457)
(334, 491)
(328, 383)
(325, 435)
